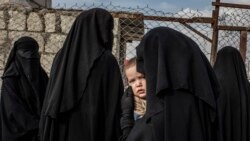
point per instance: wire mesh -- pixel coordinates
(234, 17)
(50, 27)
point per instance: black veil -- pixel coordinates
(23, 90)
(234, 100)
(171, 60)
(72, 65)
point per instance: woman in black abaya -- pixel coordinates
(234, 100)
(83, 95)
(181, 89)
(23, 90)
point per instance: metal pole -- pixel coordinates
(243, 44)
(215, 33)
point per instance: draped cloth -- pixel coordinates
(234, 100)
(83, 95)
(22, 94)
(181, 89)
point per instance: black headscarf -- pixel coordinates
(23, 88)
(234, 100)
(75, 60)
(171, 60)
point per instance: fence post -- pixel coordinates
(215, 33)
(243, 44)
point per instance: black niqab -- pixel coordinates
(85, 88)
(90, 35)
(178, 76)
(171, 60)
(234, 100)
(23, 88)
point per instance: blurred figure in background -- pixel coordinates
(234, 100)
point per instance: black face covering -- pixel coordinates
(90, 35)
(172, 61)
(234, 100)
(230, 61)
(24, 49)
(28, 54)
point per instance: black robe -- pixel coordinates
(234, 100)
(22, 94)
(83, 95)
(181, 89)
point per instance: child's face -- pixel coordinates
(137, 81)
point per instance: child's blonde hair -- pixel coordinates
(131, 62)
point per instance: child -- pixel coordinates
(137, 82)
(134, 98)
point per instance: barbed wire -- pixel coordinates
(146, 10)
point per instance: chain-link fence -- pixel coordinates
(192, 23)
(186, 21)
(50, 27)
(234, 26)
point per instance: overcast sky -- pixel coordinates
(164, 5)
